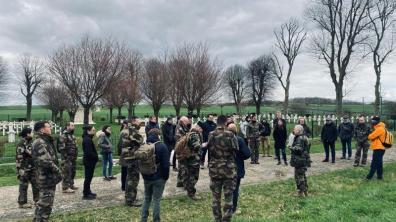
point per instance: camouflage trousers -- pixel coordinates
(181, 166)
(190, 176)
(29, 177)
(68, 168)
(265, 145)
(45, 203)
(361, 152)
(254, 147)
(132, 182)
(301, 179)
(228, 187)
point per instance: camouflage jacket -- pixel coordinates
(222, 146)
(67, 146)
(46, 161)
(361, 133)
(24, 160)
(253, 131)
(180, 132)
(194, 143)
(130, 142)
(300, 152)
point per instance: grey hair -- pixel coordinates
(300, 129)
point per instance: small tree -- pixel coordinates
(261, 77)
(155, 84)
(115, 98)
(235, 78)
(132, 75)
(31, 70)
(52, 96)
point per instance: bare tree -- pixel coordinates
(31, 75)
(154, 84)
(342, 28)
(202, 77)
(381, 44)
(88, 69)
(115, 98)
(235, 78)
(71, 105)
(132, 75)
(179, 66)
(262, 78)
(52, 95)
(289, 39)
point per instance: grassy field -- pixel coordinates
(337, 196)
(10, 113)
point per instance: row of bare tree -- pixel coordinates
(345, 33)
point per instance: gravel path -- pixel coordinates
(110, 194)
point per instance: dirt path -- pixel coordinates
(109, 193)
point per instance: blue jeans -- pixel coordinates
(153, 191)
(346, 144)
(107, 159)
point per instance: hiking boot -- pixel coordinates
(237, 212)
(286, 163)
(356, 165)
(93, 194)
(279, 163)
(68, 190)
(89, 197)
(269, 156)
(175, 169)
(300, 194)
(74, 187)
(363, 165)
(325, 160)
(202, 166)
(342, 158)
(349, 158)
(333, 161)
(112, 178)
(306, 193)
(133, 204)
(106, 179)
(179, 184)
(251, 162)
(257, 162)
(25, 206)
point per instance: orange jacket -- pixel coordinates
(377, 136)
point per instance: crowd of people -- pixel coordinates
(225, 144)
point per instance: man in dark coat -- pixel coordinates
(328, 137)
(208, 126)
(345, 132)
(241, 155)
(280, 137)
(168, 134)
(151, 124)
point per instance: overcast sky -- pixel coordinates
(236, 31)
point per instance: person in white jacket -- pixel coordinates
(243, 127)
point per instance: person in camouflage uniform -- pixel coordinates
(130, 142)
(48, 172)
(222, 146)
(25, 168)
(191, 165)
(181, 130)
(300, 159)
(253, 135)
(68, 149)
(361, 133)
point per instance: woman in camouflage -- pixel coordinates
(300, 159)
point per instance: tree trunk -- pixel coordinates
(339, 98)
(61, 116)
(28, 108)
(72, 115)
(119, 114)
(111, 114)
(156, 112)
(177, 110)
(52, 115)
(130, 108)
(190, 110)
(86, 114)
(286, 101)
(377, 102)
(198, 111)
(238, 108)
(258, 106)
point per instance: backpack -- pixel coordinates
(146, 158)
(388, 141)
(181, 148)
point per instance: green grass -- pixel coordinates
(8, 174)
(337, 196)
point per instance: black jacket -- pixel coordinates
(168, 134)
(90, 155)
(161, 159)
(346, 130)
(150, 126)
(307, 130)
(329, 133)
(242, 154)
(207, 127)
(265, 129)
(280, 136)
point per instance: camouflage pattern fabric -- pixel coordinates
(26, 171)
(253, 136)
(180, 132)
(300, 160)
(48, 174)
(362, 145)
(190, 170)
(131, 184)
(228, 187)
(67, 147)
(301, 179)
